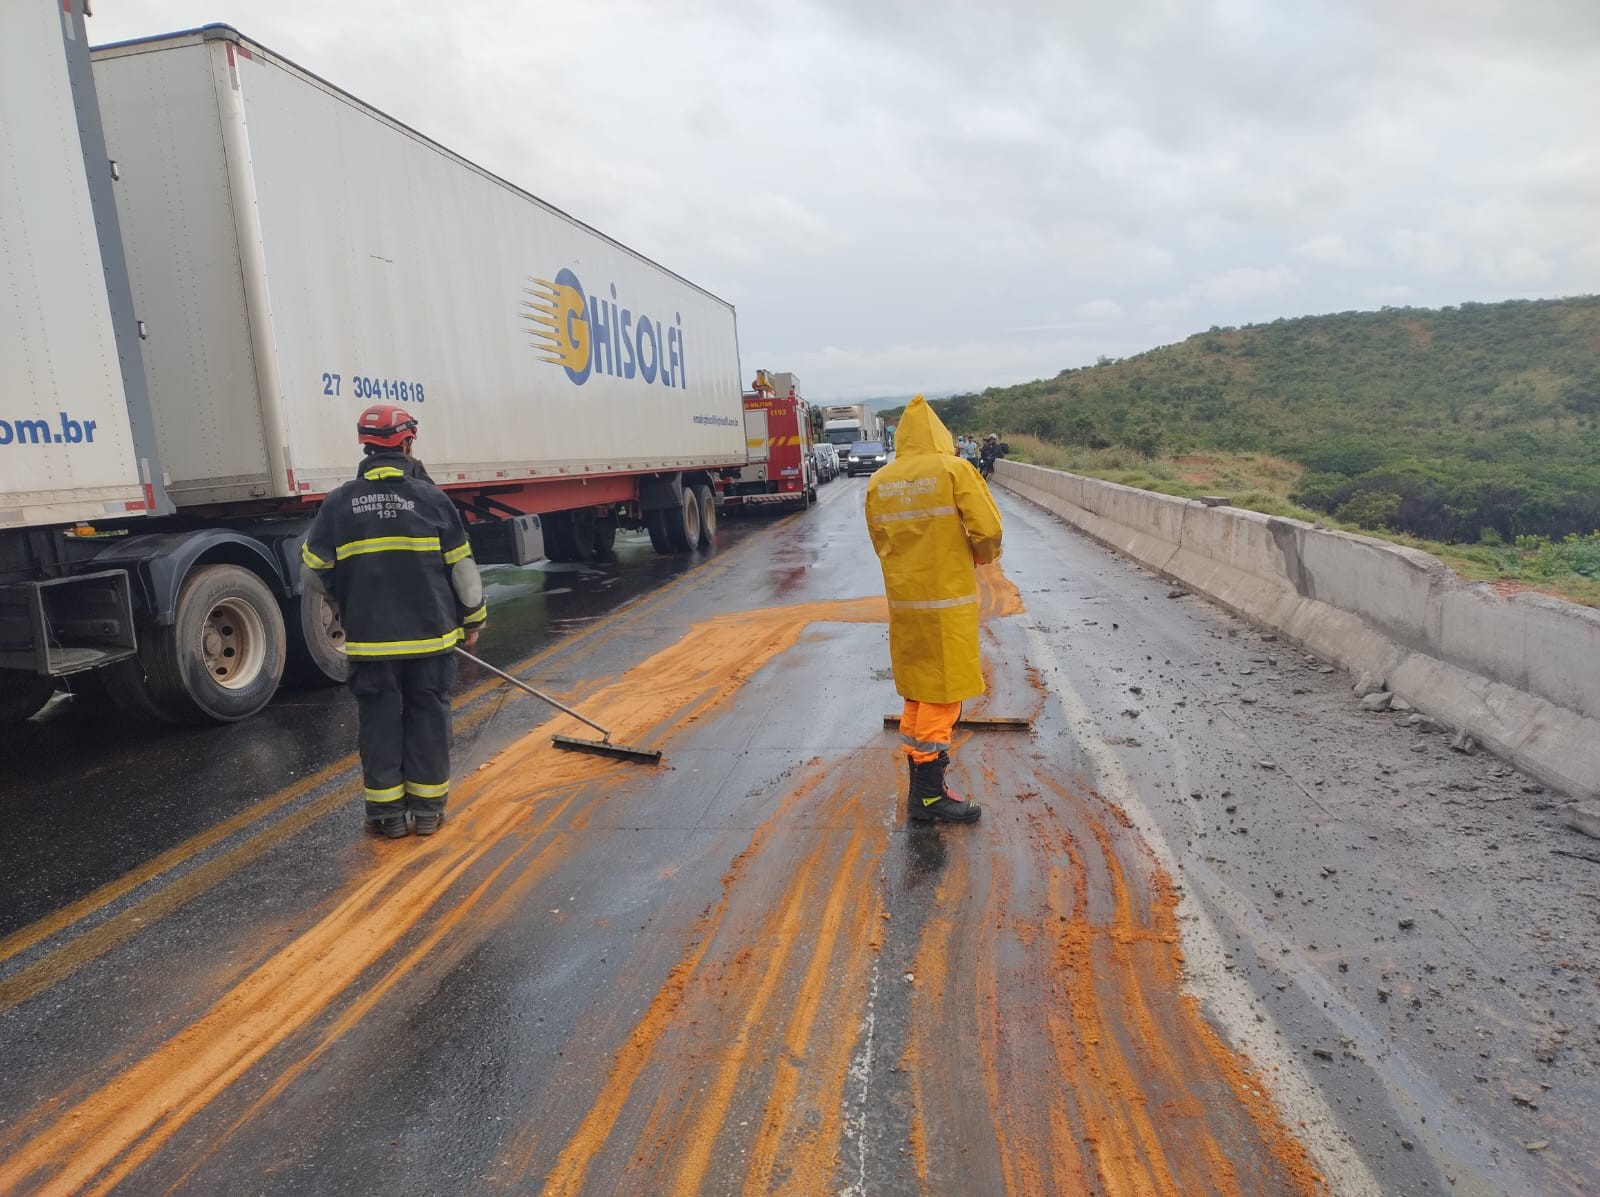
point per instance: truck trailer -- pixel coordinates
(845, 424)
(224, 260)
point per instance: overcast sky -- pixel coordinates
(904, 195)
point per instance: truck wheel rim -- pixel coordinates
(691, 518)
(233, 642)
(332, 627)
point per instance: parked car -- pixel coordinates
(864, 457)
(827, 469)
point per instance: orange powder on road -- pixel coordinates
(998, 595)
(793, 932)
(1136, 1083)
(1047, 965)
(102, 1139)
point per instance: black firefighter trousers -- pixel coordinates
(405, 732)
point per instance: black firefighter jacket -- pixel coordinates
(390, 549)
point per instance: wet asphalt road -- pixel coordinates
(743, 973)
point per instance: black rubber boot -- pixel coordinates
(390, 827)
(426, 822)
(932, 800)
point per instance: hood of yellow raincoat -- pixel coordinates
(921, 431)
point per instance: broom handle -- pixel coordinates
(539, 694)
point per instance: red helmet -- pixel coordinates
(386, 425)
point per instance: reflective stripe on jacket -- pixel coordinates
(389, 547)
(931, 518)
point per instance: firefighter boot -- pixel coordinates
(390, 827)
(932, 800)
(426, 822)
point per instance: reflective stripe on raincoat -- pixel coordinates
(931, 518)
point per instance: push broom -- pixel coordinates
(623, 752)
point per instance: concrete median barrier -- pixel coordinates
(1520, 673)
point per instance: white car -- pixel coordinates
(827, 459)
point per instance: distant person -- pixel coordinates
(390, 551)
(932, 521)
(991, 452)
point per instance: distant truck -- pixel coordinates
(216, 261)
(780, 469)
(844, 425)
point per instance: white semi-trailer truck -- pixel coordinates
(845, 424)
(180, 393)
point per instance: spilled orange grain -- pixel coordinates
(103, 1138)
(498, 901)
(998, 595)
(811, 1150)
(1137, 1069)
(781, 931)
(815, 947)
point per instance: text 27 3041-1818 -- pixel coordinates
(366, 386)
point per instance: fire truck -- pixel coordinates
(779, 469)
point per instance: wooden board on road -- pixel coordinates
(980, 722)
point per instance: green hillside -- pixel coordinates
(1475, 422)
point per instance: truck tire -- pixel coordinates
(569, 536)
(656, 523)
(605, 539)
(707, 500)
(23, 695)
(219, 662)
(683, 526)
(316, 641)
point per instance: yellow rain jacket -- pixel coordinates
(931, 517)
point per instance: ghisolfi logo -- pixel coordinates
(591, 334)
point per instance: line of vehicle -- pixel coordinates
(57, 965)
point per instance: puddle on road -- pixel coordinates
(1044, 1041)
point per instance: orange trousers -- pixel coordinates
(926, 728)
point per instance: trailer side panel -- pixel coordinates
(392, 270)
(66, 447)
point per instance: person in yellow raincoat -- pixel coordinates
(932, 521)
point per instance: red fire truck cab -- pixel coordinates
(780, 469)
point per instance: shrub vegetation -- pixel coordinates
(1439, 424)
(1476, 425)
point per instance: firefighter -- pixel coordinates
(389, 549)
(931, 518)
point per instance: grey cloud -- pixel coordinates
(924, 194)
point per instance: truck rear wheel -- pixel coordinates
(569, 536)
(316, 641)
(605, 539)
(707, 500)
(657, 524)
(684, 524)
(221, 659)
(23, 695)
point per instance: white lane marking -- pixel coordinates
(855, 1121)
